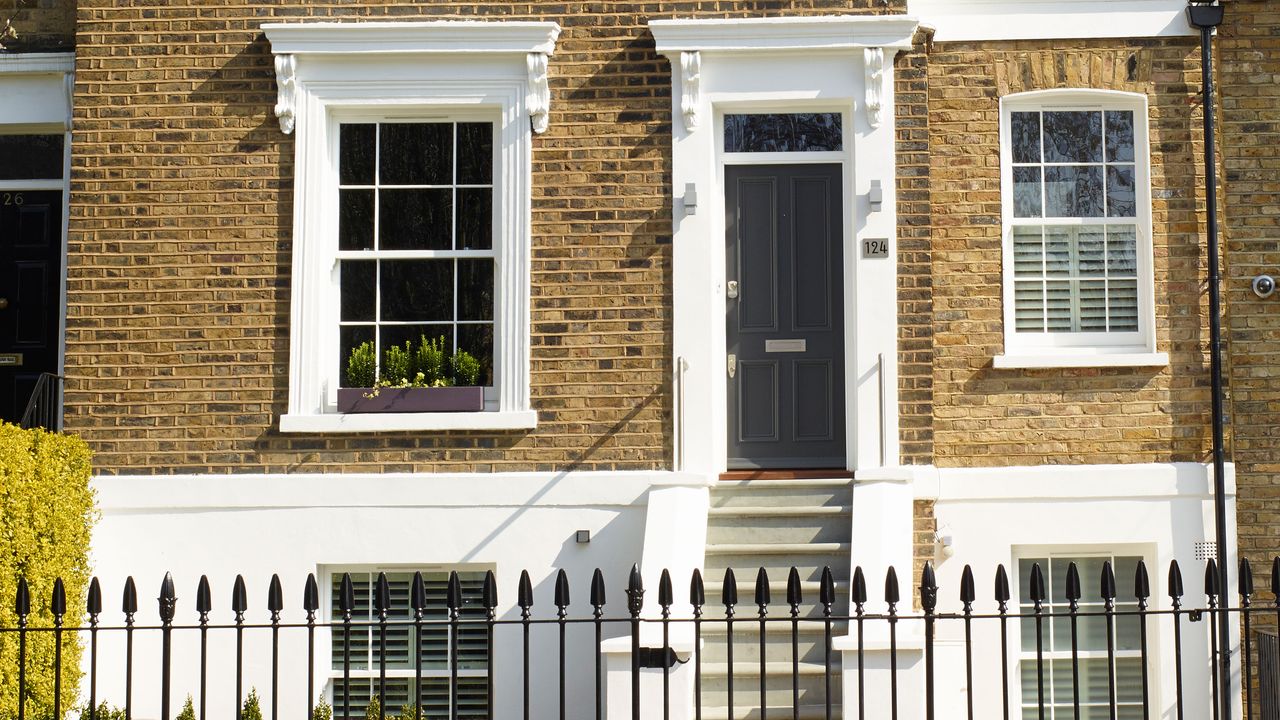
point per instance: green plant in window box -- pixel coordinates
(414, 378)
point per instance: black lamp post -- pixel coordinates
(1207, 15)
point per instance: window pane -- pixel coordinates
(1073, 191)
(1025, 136)
(1122, 250)
(475, 153)
(27, 157)
(355, 219)
(1057, 250)
(1122, 299)
(356, 153)
(1028, 251)
(782, 132)
(1119, 136)
(1121, 191)
(475, 219)
(416, 153)
(1093, 306)
(1090, 255)
(475, 289)
(1073, 136)
(417, 290)
(1029, 306)
(477, 339)
(1027, 193)
(1058, 306)
(415, 219)
(358, 281)
(350, 337)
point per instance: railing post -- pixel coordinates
(167, 602)
(635, 602)
(275, 603)
(239, 604)
(928, 602)
(311, 603)
(22, 606)
(93, 605)
(204, 603)
(129, 604)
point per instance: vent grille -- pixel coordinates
(1207, 550)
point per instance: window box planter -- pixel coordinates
(411, 400)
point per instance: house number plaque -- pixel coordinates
(10, 359)
(875, 248)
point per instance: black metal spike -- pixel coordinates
(827, 587)
(1141, 582)
(858, 587)
(891, 595)
(204, 598)
(762, 588)
(794, 594)
(562, 589)
(928, 588)
(347, 595)
(1246, 578)
(489, 594)
(666, 597)
(729, 588)
(1037, 584)
(168, 599)
(93, 601)
(697, 590)
(418, 593)
(1175, 580)
(22, 603)
(1275, 578)
(129, 600)
(1211, 578)
(967, 592)
(597, 588)
(524, 593)
(22, 599)
(58, 606)
(311, 595)
(275, 595)
(635, 591)
(1073, 583)
(453, 595)
(1002, 585)
(382, 594)
(1108, 581)
(239, 596)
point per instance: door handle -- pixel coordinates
(732, 289)
(4, 303)
(733, 365)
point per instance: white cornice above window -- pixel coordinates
(961, 20)
(842, 32)
(532, 42)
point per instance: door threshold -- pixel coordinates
(775, 474)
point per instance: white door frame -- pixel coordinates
(829, 64)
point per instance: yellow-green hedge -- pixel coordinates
(46, 512)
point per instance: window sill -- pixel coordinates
(1082, 360)
(391, 422)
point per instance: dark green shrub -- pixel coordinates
(362, 366)
(252, 709)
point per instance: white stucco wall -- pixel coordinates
(292, 525)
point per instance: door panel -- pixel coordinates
(785, 327)
(30, 269)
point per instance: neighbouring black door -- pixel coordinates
(785, 317)
(30, 281)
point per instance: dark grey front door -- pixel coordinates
(785, 316)
(30, 272)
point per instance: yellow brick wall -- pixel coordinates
(1248, 49)
(987, 417)
(178, 289)
(41, 25)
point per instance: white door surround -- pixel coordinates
(823, 64)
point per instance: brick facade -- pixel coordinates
(41, 25)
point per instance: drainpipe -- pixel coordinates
(1207, 15)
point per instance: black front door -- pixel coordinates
(30, 279)
(785, 316)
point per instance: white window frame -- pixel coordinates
(332, 673)
(329, 73)
(1037, 350)
(969, 20)
(1071, 553)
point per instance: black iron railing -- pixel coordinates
(44, 407)
(1268, 675)
(1052, 630)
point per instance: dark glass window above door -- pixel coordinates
(783, 132)
(31, 157)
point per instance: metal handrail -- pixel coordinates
(44, 407)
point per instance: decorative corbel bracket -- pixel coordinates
(873, 61)
(539, 100)
(286, 91)
(690, 87)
